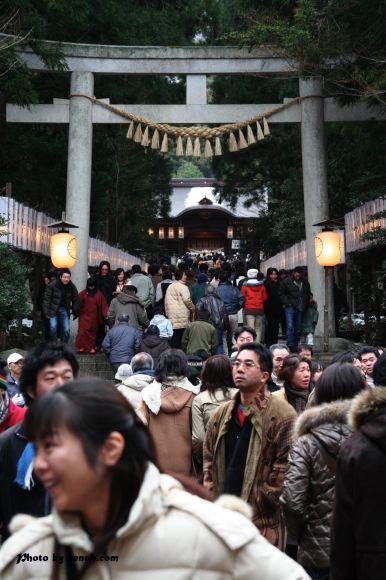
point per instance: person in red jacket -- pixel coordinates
(255, 295)
(10, 414)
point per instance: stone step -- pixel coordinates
(95, 365)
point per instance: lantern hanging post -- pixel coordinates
(328, 254)
(63, 244)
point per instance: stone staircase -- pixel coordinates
(95, 365)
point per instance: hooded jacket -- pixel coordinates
(121, 343)
(145, 288)
(178, 305)
(254, 293)
(169, 534)
(359, 525)
(309, 485)
(154, 345)
(132, 386)
(167, 413)
(164, 325)
(131, 305)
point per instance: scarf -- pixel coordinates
(24, 468)
(4, 406)
(297, 398)
(152, 393)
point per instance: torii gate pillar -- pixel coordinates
(79, 170)
(315, 187)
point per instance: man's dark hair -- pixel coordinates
(345, 356)
(171, 363)
(224, 277)
(64, 271)
(245, 328)
(153, 269)
(263, 354)
(178, 275)
(136, 269)
(46, 353)
(303, 347)
(368, 350)
(299, 269)
(339, 381)
(129, 289)
(203, 314)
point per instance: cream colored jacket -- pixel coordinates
(202, 408)
(178, 305)
(170, 534)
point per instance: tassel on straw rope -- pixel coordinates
(145, 138)
(130, 130)
(197, 149)
(165, 144)
(250, 136)
(189, 147)
(266, 128)
(138, 134)
(232, 143)
(180, 147)
(208, 149)
(260, 134)
(242, 142)
(155, 140)
(217, 147)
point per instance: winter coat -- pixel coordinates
(215, 306)
(53, 297)
(199, 335)
(106, 285)
(231, 296)
(131, 305)
(167, 413)
(169, 534)
(121, 343)
(197, 291)
(292, 295)
(154, 345)
(269, 444)
(310, 318)
(309, 485)
(203, 408)
(164, 325)
(131, 387)
(14, 415)
(254, 293)
(13, 498)
(145, 288)
(273, 305)
(178, 304)
(93, 311)
(359, 522)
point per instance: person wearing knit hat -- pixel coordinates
(255, 295)
(197, 291)
(124, 371)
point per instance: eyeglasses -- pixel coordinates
(247, 363)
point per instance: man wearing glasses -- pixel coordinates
(247, 443)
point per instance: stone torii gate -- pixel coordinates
(83, 61)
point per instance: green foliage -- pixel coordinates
(14, 295)
(377, 234)
(187, 169)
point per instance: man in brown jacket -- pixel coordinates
(247, 443)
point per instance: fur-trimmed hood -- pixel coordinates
(318, 416)
(368, 415)
(365, 404)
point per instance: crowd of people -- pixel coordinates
(212, 454)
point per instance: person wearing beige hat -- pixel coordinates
(15, 365)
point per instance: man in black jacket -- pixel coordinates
(294, 292)
(48, 366)
(60, 298)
